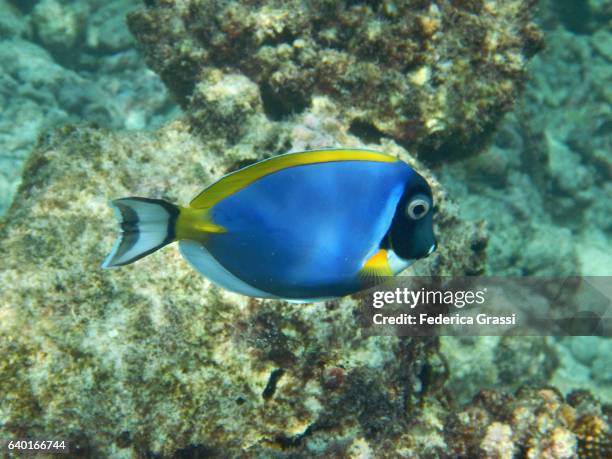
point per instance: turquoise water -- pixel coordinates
(131, 352)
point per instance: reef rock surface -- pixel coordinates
(434, 76)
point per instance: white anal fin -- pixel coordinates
(203, 262)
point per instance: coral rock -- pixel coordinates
(434, 76)
(533, 423)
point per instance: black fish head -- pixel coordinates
(411, 234)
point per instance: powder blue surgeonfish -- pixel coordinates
(301, 226)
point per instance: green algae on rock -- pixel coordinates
(433, 76)
(152, 357)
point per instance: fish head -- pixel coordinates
(411, 234)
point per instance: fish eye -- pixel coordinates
(418, 207)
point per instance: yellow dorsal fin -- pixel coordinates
(235, 181)
(377, 266)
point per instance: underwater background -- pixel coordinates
(505, 106)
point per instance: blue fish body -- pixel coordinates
(304, 232)
(302, 226)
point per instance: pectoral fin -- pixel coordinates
(377, 266)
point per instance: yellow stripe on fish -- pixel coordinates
(238, 180)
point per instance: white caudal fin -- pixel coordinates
(146, 225)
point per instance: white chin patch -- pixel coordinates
(396, 263)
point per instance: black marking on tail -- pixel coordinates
(131, 220)
(131, 228)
